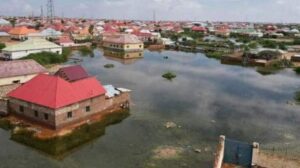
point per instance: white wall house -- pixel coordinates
(34, 45)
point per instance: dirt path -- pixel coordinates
(273, 161)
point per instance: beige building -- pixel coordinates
(123, 42)
(19, 71)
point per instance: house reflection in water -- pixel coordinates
(123, 57)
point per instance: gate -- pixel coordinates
(238, 153)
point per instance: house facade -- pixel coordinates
(123, 42)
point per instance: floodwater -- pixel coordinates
(207, 99)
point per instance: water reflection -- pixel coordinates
(123, 57)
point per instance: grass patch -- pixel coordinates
(214, 54)
(5, 124)
(59, 146)
(46, 58)
(109, 66)
(169, 75)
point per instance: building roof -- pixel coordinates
(22, 30)
(123, 39)
(54, 92)
(19, 68)
(4, 22)
(72, 73)
(31, 44)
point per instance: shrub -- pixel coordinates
(109, 66)
(2, 45)
(297, 70)
(297, 97)
(169, 75)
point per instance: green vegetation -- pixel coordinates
(297, 70)
(169, 75)
(46, 58)
(215, 54)
(297, 97)
(85, 51)
(109, 66)
(2, 45)
(5, 124)
(59, 146)
(274, 67)
(268, 55)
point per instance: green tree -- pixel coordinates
(2, 45)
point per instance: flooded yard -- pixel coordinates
(205, 100)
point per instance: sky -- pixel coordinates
(195, 10)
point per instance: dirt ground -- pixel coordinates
(273, 161)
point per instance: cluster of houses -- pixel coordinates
(65, 98)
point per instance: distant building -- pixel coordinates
(4, 22)
(65, 41)
(56, 103)
(30, 46)
(20, 71)
(123, 42)
(20, 33)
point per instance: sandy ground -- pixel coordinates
(167, 152)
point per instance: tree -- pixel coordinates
(2, 45)
(91, 29)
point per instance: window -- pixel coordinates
(128, 46)
(16, 81)
(46, 116)
(21, 109)
(70, 114)
(87, 108)
(140, 46)
(36, 113)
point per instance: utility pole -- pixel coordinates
(42, 12)
(50, 11)
(154, 16)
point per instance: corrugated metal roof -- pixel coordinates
(19, 68)
(32, 44)
(54, 92)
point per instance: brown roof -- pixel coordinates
(20, 67)
(123, 39)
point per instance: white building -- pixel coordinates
(34, 45)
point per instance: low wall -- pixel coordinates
(220, 153)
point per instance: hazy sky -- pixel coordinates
(221, 10)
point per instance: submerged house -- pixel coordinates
(19, 71)
(56, 103)
(34, 45)
(123, 42)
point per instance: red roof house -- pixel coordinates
(54, 92)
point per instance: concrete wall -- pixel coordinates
(29, 112)
(124, 47)
(220, 153)
(21, 54)
(10, 80)
(58, 118)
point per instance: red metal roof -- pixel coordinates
(72, 73)
(54, 92)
